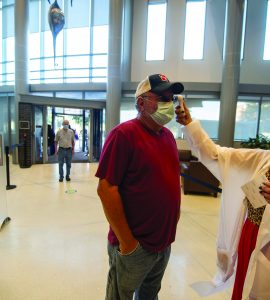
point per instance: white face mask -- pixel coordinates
(164, 114)
(65, 127)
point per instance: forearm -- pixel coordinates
(114, 212)
(199, 141)
(203, 147)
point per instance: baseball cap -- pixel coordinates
(158, 83)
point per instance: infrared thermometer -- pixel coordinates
(180, 100)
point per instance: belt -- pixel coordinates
(65, 148)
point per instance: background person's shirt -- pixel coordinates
(65, 138)
(145, 167)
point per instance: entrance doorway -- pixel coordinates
(79, 123)
(87, 124)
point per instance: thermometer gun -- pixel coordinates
(180, 100)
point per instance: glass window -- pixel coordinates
(10, 79)
(10, 67)
(246, 120)
(77, 61)
(10, 49)
(266, 53)
(8, 64)
(34, 55)
(34, 45)
(76, 53)
(100, 39)
(100, 12)
(53, 76)
(77, 15)
(43, 94)
(35, 77)
(73, 111)
(77, 75)
(127, 110)
(194, 29)
(8, 19)
(69, 95)
(99, 75)
(265, 119)
(34, 65)
(100, 46)
(99, 61)
(156, 25)
(95, 95)
(34, 16)
(78, 40)
(244, 30)
(207, 111)
(59, 110)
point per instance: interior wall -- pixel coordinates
(253, 69)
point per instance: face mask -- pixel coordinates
(164, 114)
(65, 127)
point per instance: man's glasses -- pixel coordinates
(159, 98)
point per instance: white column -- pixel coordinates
(114, 84)
(21, 18)
(231, 71)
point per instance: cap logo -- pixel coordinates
(163, 77)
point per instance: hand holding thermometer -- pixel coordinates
(182, 112)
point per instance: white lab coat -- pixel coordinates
(234, 168)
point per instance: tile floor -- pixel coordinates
(54, 247)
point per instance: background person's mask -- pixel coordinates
(164, 113)
(65, 127)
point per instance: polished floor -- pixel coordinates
(54, 247)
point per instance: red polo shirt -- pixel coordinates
(145, 167)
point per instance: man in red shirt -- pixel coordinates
(139, 188)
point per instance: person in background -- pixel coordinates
(139, 187)
(244, 231)
(65, 139)
(51, 138)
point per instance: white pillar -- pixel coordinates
(231, 71)
(21, 17)
(114, 84)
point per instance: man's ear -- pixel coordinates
(140, 103)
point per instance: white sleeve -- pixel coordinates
(216, 157)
